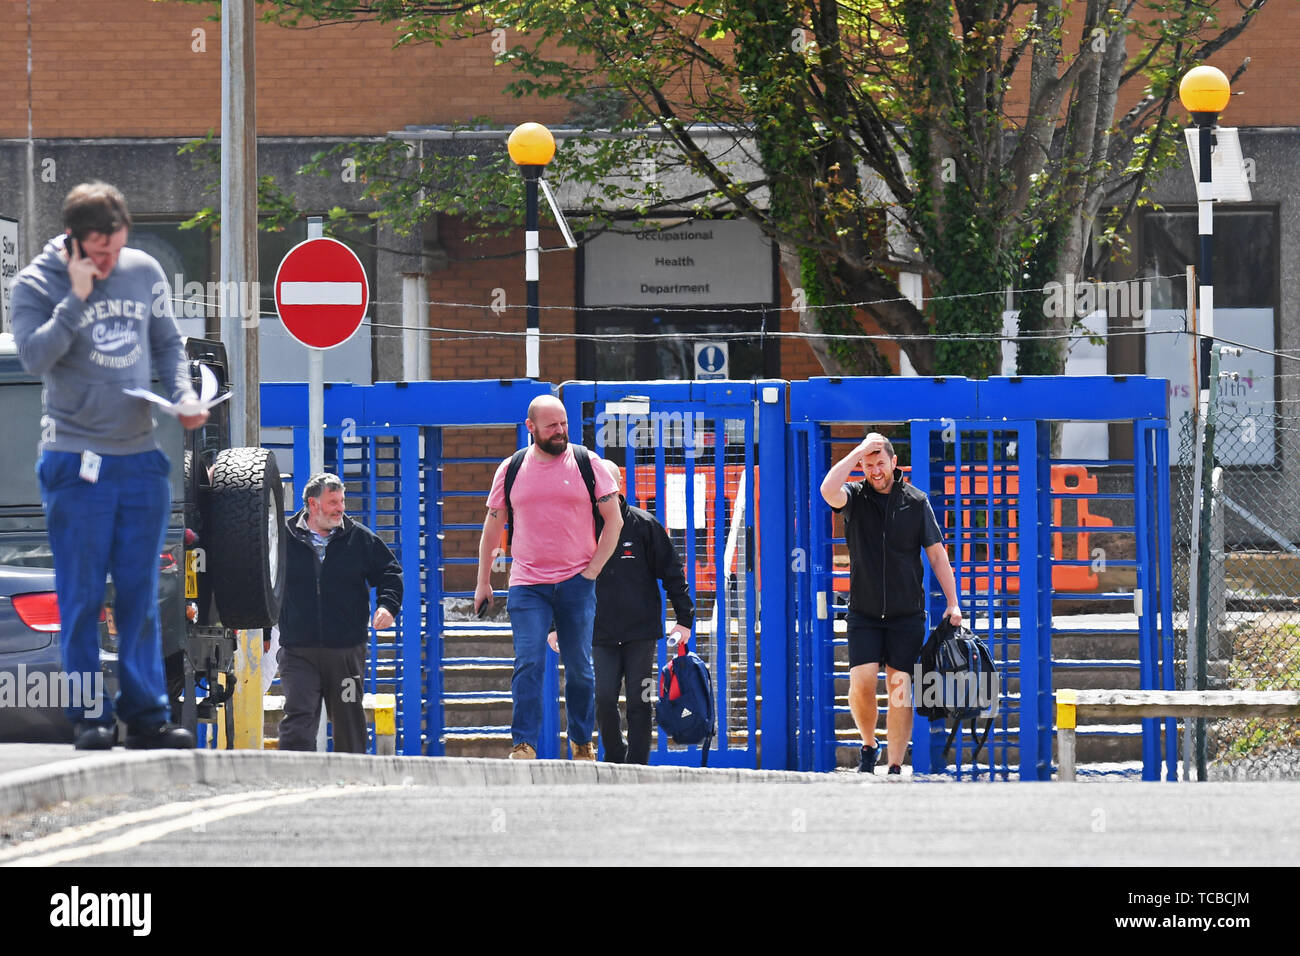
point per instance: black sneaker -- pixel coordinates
(160, 737)
(895, 770)
(94, 737)
(869, 757)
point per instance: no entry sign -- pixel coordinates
(321, 293)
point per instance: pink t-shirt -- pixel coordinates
(554, 536)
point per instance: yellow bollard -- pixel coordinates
(247, 699)
(1066, 719)
(385, 707)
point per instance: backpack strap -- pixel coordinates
(512, 471)
(583, 458)
(974, 731)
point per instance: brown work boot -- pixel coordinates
(583, 751)
(523, 752)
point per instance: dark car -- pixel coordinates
(33, 691)
(221, 567)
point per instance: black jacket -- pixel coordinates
(628, 603)
(327, 603)
(886, 578)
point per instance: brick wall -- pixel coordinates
(461, 295)
(139, 68)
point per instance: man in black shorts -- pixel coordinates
(887, 524)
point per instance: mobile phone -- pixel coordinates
(74, 252)
(481, 611)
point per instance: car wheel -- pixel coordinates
(246, 537)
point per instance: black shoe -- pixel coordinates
(160, 737)
(895, 770)
(868, 763)
(94, 737)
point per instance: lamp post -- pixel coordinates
(1204, 92)
(531, 146)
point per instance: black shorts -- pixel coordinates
(893, 641)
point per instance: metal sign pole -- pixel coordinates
(316, 384)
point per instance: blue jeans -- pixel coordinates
(114, 525)
(571, 605)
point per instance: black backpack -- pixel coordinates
(685, 705)
(583, 459)
(958, 681)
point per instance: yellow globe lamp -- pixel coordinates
(531, 144)
(1204, 89)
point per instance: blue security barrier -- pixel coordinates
(982, 452)
(761, 555)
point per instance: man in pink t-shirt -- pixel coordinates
(556, 560)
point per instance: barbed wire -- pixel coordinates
(500, 307)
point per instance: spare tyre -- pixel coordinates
(245, 537)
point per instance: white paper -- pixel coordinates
(208, 389)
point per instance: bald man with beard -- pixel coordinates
(556, 558)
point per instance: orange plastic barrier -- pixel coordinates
(1071, 479)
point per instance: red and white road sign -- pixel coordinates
(321, 293)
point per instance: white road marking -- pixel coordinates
(212, 810)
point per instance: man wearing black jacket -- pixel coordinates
(332, 562)
(887, 524)
(629, 622)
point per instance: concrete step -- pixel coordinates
(477, 677)
(1096, 678)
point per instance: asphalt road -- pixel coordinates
(841, 821)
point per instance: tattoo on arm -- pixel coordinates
(493, 512)
(609, 497)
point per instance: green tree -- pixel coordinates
(979, 144)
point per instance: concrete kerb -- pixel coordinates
(32, 788)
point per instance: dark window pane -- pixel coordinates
(1245, 257)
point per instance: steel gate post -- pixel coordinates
(410, 707)
(434, 709)
(777, 631)
(1164, 559)
(1149, 657)
(923, 756)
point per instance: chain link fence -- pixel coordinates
(1253, 580)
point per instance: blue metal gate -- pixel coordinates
(408, 455)
(736, 484)
(703, 457)
(991, 478)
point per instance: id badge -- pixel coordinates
(90, 466)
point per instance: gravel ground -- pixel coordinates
(1276, 765)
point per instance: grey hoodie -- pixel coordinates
(87, 352)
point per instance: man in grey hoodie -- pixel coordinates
(89, 319)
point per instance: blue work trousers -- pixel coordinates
(115, 525)
(571, 606)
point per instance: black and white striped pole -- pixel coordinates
(1204, 92)
(531, 147)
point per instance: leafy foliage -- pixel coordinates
(969, 141)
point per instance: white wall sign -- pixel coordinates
(1083, 357)
(714, 262)
(711, 360)
(8, 266)
(1245, 404)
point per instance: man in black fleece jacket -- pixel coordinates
(332, 563)
(629, 622)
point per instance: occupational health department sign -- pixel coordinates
(715, 262)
